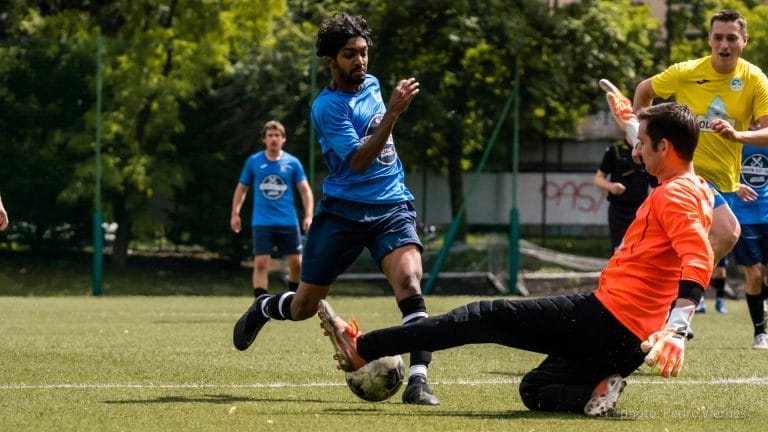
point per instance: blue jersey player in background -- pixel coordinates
(366, 203)
(273, 173)
(751, 251)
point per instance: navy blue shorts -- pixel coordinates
(342, 229)
(752, 247)
(279, 240)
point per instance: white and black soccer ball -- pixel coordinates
(378, 380)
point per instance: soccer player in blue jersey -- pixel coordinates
(366, 203)
(273, 173)
(751, 251)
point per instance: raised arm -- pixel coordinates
(401, 98)
(644, 95)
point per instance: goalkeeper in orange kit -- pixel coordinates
(640, 312)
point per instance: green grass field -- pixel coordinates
(167, 364)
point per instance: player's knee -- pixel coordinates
(261, 265)
(529, 393)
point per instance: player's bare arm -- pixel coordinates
(757, 137)
(237, 203)
(3, 217)
(308, 200)
(601, 182)
(644, 95)
(401, 98)
(746, 193)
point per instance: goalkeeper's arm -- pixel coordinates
(666, 348)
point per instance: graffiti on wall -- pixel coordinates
(574, 195)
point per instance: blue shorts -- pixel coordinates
(342, 229)
(752, 247)
(282, 240)
(723, 197)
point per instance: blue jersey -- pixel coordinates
(273, 183)
(754, 173)
(344, 121)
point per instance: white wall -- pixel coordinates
(570, 199)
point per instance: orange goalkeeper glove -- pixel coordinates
(666, 348)
(621, 109)
(666, 352)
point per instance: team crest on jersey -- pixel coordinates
(388, 155)
(754, 170)
(737, 84)
(715, 110)
(273, 187)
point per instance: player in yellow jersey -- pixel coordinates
(725, 92)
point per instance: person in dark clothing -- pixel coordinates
(627, 185)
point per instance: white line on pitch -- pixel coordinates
(722, 381)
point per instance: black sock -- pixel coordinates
(278, 306)
(414, 309)
(719, 285)
(293, 286)
(756, 312)
(259, 291)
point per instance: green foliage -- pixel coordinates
(44, 94)
(690, 41)
(187, 86)
(158, 56)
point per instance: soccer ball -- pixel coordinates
(377, 380)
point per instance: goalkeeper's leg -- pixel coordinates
(534, 325)
(561, 325)
(559, 384)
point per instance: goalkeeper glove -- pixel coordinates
(666, 348)
(621, 109)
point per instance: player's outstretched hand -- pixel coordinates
(666, 352)
(621, 109)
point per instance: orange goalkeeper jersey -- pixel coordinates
(666, 243)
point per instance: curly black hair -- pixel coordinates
(336, 30)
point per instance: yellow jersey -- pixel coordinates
(737, 97)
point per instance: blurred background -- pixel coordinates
(124, 125)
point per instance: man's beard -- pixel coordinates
(354, 80)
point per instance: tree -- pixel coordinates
(44, 96)
(464, 54)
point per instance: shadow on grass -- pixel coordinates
(491, 415)
(365, 408)
(207, 399)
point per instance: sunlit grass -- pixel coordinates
(167, 363)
